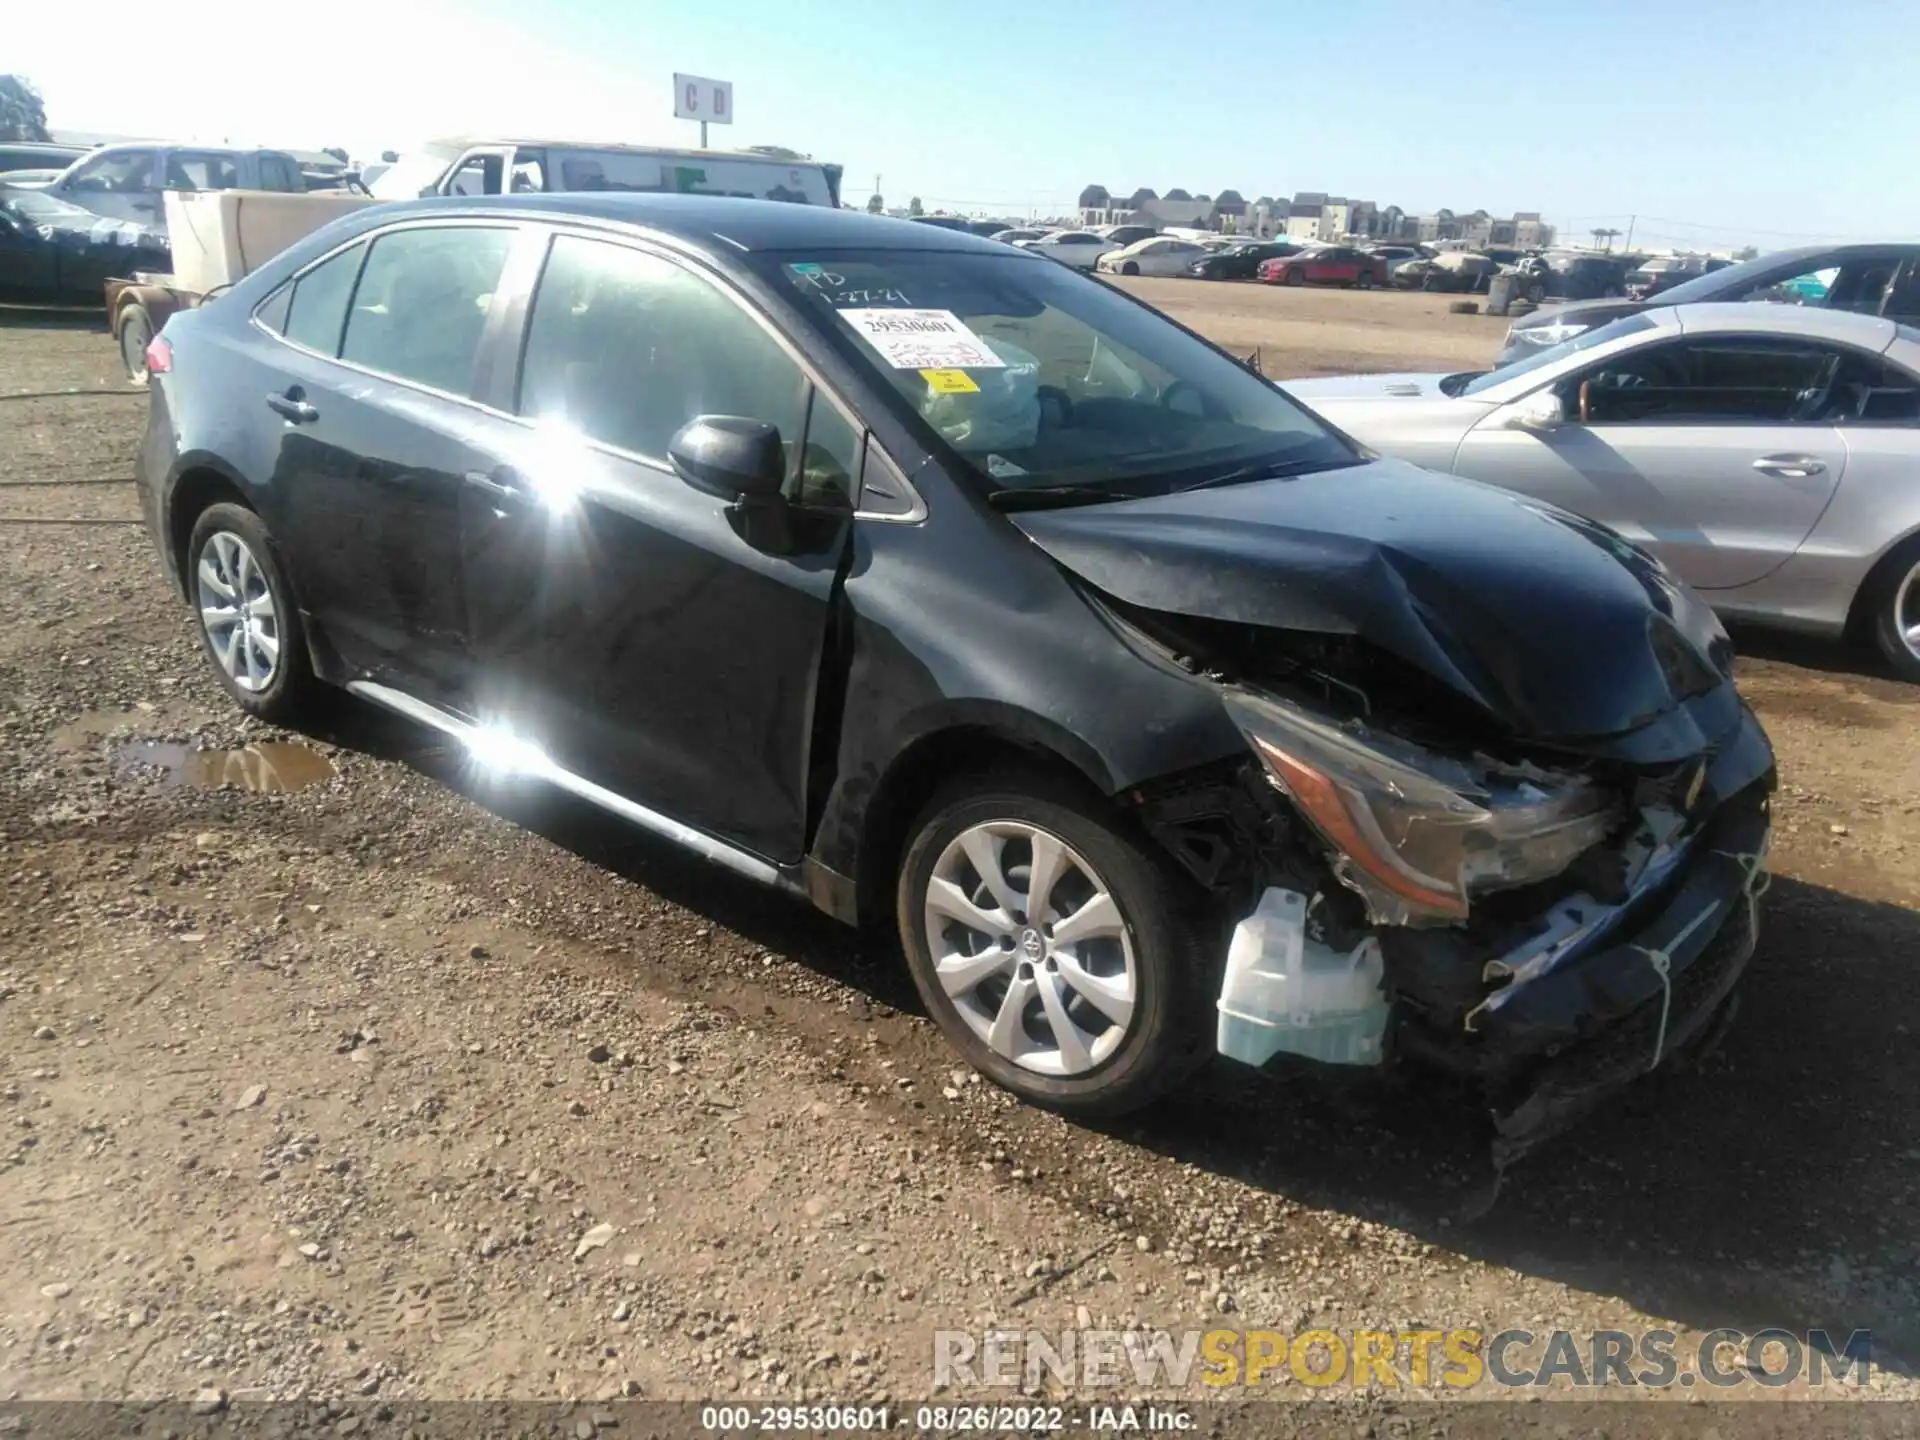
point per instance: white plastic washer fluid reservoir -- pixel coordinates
(1286, 992)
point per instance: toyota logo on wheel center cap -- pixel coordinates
(1031, 945)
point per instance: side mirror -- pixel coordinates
(1539, 412)
(730, 456)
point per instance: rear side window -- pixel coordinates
(201, 170)
(319, 302)
(422, 303)
(278, 173)
(625, 348)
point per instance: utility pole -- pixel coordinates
(1629, 241)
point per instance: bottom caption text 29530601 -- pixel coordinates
(945, 1419)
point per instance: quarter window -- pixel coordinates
(624, 348)
(422, 303)
(319, 302)
(273, 310)
(830, 459)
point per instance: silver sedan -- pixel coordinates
(1770, 454)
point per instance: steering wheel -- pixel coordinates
(1172, 398)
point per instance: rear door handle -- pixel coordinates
(294, 406)
(1791, 467)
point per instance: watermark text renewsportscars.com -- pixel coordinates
(1456, 1359)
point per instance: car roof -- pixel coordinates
(462, 143)
(713, 220)
(1758, 318)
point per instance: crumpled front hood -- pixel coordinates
(1556, 627)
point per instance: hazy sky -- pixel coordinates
(1715, 121)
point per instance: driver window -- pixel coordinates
(478, 175)
(117, 173)
(1726, 380)
(625, 347)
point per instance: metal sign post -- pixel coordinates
(695, 97)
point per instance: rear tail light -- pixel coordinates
(159, 356)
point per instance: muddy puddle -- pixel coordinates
(267, 768)
(88, 729)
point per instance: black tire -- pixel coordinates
(1296, 277)
(1892, 598)
(136, 333)
(290, 691)
(1364, 280)
(1129, 268)
(1168, 1035)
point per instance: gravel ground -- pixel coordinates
(392, 1085)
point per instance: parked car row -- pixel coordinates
(1870, 279)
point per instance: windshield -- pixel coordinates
(412, 173)
(1586, 340)
(1035, 378)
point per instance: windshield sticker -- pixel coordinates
(922, 339)
(886, 296)
(950, 382)
(815, 279)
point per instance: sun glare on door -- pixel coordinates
(556, 464)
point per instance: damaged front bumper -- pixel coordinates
(1570, 1038)
(1599, 996)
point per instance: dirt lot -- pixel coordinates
(391, 1085)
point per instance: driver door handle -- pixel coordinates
(1790, 467)
(293, 405)
(502, 484)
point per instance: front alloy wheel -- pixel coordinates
(1055, 950)
(1030, 947)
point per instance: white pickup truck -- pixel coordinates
(494, 167)
(219, 236)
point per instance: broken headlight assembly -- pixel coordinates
(1417, 834)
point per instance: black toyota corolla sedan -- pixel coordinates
(966, 596)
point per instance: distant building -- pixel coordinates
(1310, 216)
(1178, 207)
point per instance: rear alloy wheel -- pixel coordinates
(136, 333)
(1896, 613)
(1050, 949)
(248, 624)
(1364, 280)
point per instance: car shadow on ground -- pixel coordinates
(1855, 660)
(29, 317)
(774, 919)
(1768, 1185)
